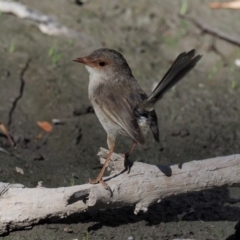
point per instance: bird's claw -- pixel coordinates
(127, 164)
(96, 181)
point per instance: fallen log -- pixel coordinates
(142, 186)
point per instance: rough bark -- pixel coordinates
(145, 184)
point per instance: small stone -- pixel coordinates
(57, 121)
(39, 157)
(19, 170)
(184, 133)
(180, 132)
(68, 230)
(40, 184)
(140, 50)
(237, 62)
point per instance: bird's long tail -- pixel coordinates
(184, 63)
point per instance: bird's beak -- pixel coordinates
(83, 60)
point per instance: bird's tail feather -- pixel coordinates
(184, 63)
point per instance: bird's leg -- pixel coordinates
(127, 154)
(98, 179)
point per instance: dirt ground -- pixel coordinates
(150, 34)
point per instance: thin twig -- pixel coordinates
(4, 189)
(213, 31)
(215, 49)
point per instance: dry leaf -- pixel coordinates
(232, 5)
(19, 170)
(44, 125)
(4, 130)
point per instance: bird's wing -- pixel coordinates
(118, 108)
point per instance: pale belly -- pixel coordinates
(109, 126)
(113, 128)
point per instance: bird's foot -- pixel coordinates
(99, 180)
(127, 163)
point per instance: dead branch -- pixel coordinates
(213, 31)
(145, 184)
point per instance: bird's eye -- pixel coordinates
(102, 64)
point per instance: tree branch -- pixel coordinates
(205, 28)
(145, 184)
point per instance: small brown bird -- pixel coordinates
(120, 104)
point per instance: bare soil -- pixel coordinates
(199, 118)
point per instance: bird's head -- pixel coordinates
(105, 62)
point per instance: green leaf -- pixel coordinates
(184, 7)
